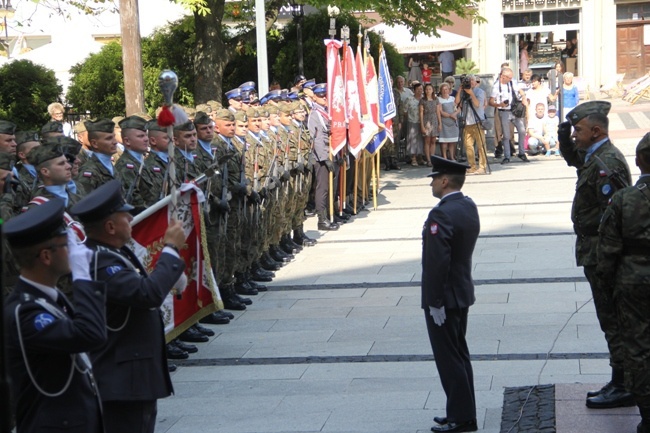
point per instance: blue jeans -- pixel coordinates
(506, 117)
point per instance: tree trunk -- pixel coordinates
(131, 57)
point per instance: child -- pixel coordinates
(550, 130)
(426, 74)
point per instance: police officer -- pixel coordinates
(98, 169)
(131, 368)
(601, 170)
(448, 239)
(623, 267)
(52, 378)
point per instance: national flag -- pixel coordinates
(368, 127)
(335, 97)
(352, 104)
(386, 101)
(373, 99)
(201, 296)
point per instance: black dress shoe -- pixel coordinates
(189, 348)
(523, 157)
(257, 286)
(594, 393)
(325, 224)
(232, 303)
(225, 313)
(456, 427)
(615, 396)
(244, 288)
(347, 211)
(193, 336)
(440, 420)
(215, 319)
(203, 330)
(339, 219)
(174, 352)
(243, 300)
(171, 367)
(261, 275)
(310, 213)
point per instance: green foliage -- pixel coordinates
(26, 90)
(97, 84)
(466, 66)
(315, 31)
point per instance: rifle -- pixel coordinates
(615, 177)
(224, 196)
(301, 160)
(242, 176)
(286, 160)
(256, 180)
(135, 181)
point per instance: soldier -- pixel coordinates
(23, 171)
(185, 146)
(624, 242)
(54, 174)
(154, 174)
(98, 169)
(131, 368)
(52, 378)
(235, 104)
(128, 169)
(204, 134)
(70, 148)
(82, 136)
(319, 129)
(7, 137)
(601, 170)
(52, 128)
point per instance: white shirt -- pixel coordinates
(446, 61)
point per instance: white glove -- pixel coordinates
(438, 315)
(79, 258)
(181, 284)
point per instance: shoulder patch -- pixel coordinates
(156, 169)
(112, 270)
(88, 174)
(606, 189)
(42, 321)
(602, 173)
(433, 229)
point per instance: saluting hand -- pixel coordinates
(175, 234)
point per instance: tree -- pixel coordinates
(26, 90)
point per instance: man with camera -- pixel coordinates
(502, 98)
(472, 98)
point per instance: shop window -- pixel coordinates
(571, 16)
(521, 20)
(633, 11)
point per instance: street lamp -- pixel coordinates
(298, 13)
(6, 11)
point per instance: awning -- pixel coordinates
(400, 36)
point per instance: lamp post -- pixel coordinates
(298, 13)
(6, 11)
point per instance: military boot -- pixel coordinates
(255, 285)
(287, 246)
(296, 246)
(301, 238)
(230, 299)
(613, 394)
(242, 286)
(325, 224)
(268, 263)
(278, 254)
(258, 273)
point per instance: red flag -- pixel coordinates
(369, 127)
(352, 104)
(335, 97)
(201, 296)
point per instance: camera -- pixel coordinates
(465, 82)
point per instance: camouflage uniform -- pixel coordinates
(128, 170)
(152, 179)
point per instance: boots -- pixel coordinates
(230, 299)
(393, 163)
(279, 255)
(287, 246)
(301, 238)
(325, 224)
(257, 273)
(268, 263)
(296, 246)
(242, 286)
(255, 285)
(611, 395)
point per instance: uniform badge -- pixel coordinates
(112, 270)
(156, 169)
(88, 174)
(130, 166)
(602, 173)
(606, 189)
(42, 321)
(433, 229)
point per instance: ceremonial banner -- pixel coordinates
(201, 296)
(368, 127)
(352, 104)
(335, 97)
(373, 100)
(386, 105)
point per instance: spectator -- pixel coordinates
(413, 134)
(426, 73)
(523, 57)
(415, 73)
(473, 108)
(451, 81)
(56, 112)
(446, 59)
(448, 122)
(550, 128)
(538, 94)
(536, 139)
(501, 99)
(570, 96)
(429, 121)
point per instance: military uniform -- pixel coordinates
(95, 171)
(128, 168)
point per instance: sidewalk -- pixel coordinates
(338, 343)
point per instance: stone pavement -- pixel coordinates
(338, 343)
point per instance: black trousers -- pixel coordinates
(130, 416)
(322, 187)
(452, 360)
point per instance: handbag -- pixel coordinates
(517, 108)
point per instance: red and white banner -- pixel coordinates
(368, 127)
(352, 104)
(335, 97)
(201, 296)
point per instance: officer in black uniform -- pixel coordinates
(448, 239)
(131, 368)
(51, 377)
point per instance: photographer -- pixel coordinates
(472, 99)
(502, 99)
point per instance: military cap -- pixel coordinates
(102, 202)
(587, 109)
(320, 89)
(298, 79)
(253, 113)
(293, 96)
(445, 166)
(224, 114)
(263, 111)
(289, 107)
(144, 115)
(255, 100)
(36, 225)
(133, 122)
(7, 161)
(203, 107)
(309, 83)
(273, 95)
(52, 126)
(117, 119)
(644, 144)
(201, 118)
(240, 116)
(234, 94)
(100, 125)
(272, 109)
(214, 105)
(187, 126)
(152, 125)
(41, 154)
(26, 137)
(284, 95)
(79, 127)
(246, 96)
(7, 127)
(66, 145)
(248, 86)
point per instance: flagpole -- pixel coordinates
(168, 82)
(333, 12)
(364, 152)
(345, 35)
(356, 159)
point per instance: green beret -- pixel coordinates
(100, 125)
(152, 125)
(253, 113)
(240, 116)
(40, 154)
(26, 137)
(201, 118)
(52, 126)
(587, 109)
(6, 161)
(203, 107)
(187, 126)
(224, 114)
(7, 127)
(133, 122)
(66, 145)
(644, 144)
